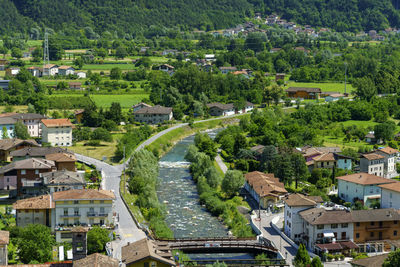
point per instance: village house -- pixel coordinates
(361, 186)
(36, 152)
(63, 161)
(146, 252)
(390, 195)
(280, 76)
(12, 71)
(36, 71)
(7, 146)
(35, 210)
(4, 84)
(4, 241)
(265, 189)
(31, 121)
(81, 75)
(62, 180)
(7, 127)
(372, 163)
(371, 261)
(295, 203)
(167, 68)
(57, 132)
(226, 70)
(75, 85)
(23, 177)
(96, 260)
(218, 109)
(153, 115)
(334, 97)
(303, 92)
(65, 70)
(140, 106)
(50, 70)
(390, 155)
(370, 138)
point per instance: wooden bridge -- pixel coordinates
(219, 245)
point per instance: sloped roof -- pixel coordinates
(364, 178)
(392, 186)
(29, 164)
(6, 144)
(65, 67)
(304, 89)
(298, 200)
(154, 110)
(221, 106)
(27, 116)
(372, 156)
(373, 261)
(61, 157)
(375, 215)
(388, 150)
(38, 151)
(57, 122)
(143, 249)
(265, 184)
(83, 194)
(322, 216)
(97, 260)
(33, 203)
(325, 157)
(62, 178)
(141, 104)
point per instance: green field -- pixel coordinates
(325, 87)
(108, 66)
(126, 101)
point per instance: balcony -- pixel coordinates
(377, 227)
(70, 215)
(96, 214)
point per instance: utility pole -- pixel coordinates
(46, 56)
(259, 209)
(345, 77)
(124, 173)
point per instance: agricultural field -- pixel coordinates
(325, 87)
(126, 101)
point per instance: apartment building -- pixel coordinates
(57, 132)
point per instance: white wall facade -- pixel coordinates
(348, 191)
(57, 136)
(34, 127)
(375, 167)
(390, 199)
(293, 221)
(153, 118)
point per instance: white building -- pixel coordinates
(66, 70)
(57, 132)
(372, 163)
(390, 155)
(50, 70)
(32, 122)
(140, 106)
(153, 115)
(362, 186)
(390, 195)
(218, 109)
(294, 204)
(81, 75)
(62, 180)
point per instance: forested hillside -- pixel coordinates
(132, 16)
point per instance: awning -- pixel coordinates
(328, 234)
(374, 197)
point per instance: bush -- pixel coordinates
(101, 134)
(93, 143)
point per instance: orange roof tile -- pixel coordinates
(392, 186)
(388, 150)
(57, 122)
(83, 194)
(61, 157)
(34, 203)
(365, 179)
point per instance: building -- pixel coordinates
(4, 241)
(4, 84)
(50, 70)
(23, 177)
(390, 195)
(153, 115)
(390, 155)
(372, 261)
(79, 246)
(167, 68)
(218, 109)
(7, 146)
(334, 97)
(295, 203)
(370, 138)
(65, 70)
(85, 207)
(7, 127)
(145, 252)
(75, 85)
(280, 76)
(36, 71)
(226, 70)
(330, 160)
(372, 163)
(62, 180)
(376, 226)
(35, 210)
(322, 228)
(303, 92)
(81, 75)
(57, 132)
(63, 161)
(36, 152)
(31, 121)
(140, 106)
(96, 260)
(79, 115)
(361, 186)
(265, 189)
(12, 71)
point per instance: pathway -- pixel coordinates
(221, 163)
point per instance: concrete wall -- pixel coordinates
(61, 136)
(348, 191)
(390, 199)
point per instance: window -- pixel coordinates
(395, 233)
(23, 171)
(101, 201)
(102, 210)
(66, 222)
(372, 223)
(357, 235)
(36, 171)
(394, 222)
(65, 211)
(76, 201)
(335, 225)
(146, 264)
(345, 225)
(153, 264)
(357, 224)
(371, 234)
(390, 195)
(76, 211)
(91, 201)
(320, 226)
(343, 236)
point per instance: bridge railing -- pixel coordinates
(208, 239)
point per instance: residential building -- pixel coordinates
(390, 155)
(63, 161)
(86, 207)
(9, 145)
(280, 76)
(79, 244)
(50, 70)
(36, 71)
(334, 97)
(153, 115)
(390, 195)
(35, 210)
(4, 241)
(31, 121)
(330, 160)
(140, 106)
(81, 75)
(146, 252)
(322, 227)
(57, 132)
(226, 70)
(167, 68)
(62, 180)
(218, 109)
(97, 260)
(4, 84)
(295, 203)
(36, 152)
(79, 115)
(361, 186)
(12, 71)
(7, 125)
(23, 177)
(376, 225)
(370, 138)
(65, 70)
(265, 189)
(303, 92)
(372, 261)
(75, 85)
(372, 163)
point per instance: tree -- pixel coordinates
(393, 260)
(101, 134)
(35, 243)
(114, 113)
(37, 54)
(205, 144)
(16, 52)
(115, 73)
(97, 239)
(316, 262)
(78, 62)
(120, 52)
(4, 51)
(385, 131)
(302, 258)
(4, 133)
(232, 182)
(55, 50)
(365, 88)
(299, 167)
(21, 131)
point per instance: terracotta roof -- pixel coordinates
(57, 122)
(388, 150)
(79, 111)
(143, 249)
(74, 84)
(337, 246)
(336, 95)
(29, 164)
(322, 216)
(265, 184)
(305, 89)
(80, 229)
(97, 260)
(325, 157)
(38, 151)
(373, 261)
(49, 66)
(298, 200)
(83, 194)
(141, 104)
(375, 215)
(372, 156)
(365, 179)
(4, 237)
(6, 144)
(61, 157)
(220, 106)
(62, 178)
(65, 67)
(154, 110)
(34, 203)
(309, 151)
(392, 186)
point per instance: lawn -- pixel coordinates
(107, 149)
(325, 87)
(126, 101)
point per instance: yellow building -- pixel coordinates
(146, 253)
(35, 210)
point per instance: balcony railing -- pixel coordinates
(70, 215)
(377, 227)
(96, 214)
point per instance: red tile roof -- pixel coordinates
(365, 179)
(34, 203)
(388, 150)
(392, 186)
(57, 122)
(83, 194)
